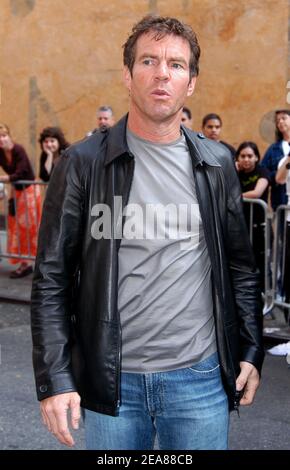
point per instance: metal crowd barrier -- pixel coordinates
(279, 253)
(267, 223)
(274, 252)
(8, 202)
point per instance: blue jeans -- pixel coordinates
(186, 409)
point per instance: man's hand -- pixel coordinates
(54, 414)
(248, 380)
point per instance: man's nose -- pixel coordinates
(162, 71)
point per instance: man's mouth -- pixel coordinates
(160, 92)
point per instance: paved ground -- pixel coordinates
(20, 425)
(265, 425)
(17, 289)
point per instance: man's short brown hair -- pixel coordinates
(161, 27)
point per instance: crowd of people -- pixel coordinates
(24, 200)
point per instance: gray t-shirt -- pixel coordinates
(165, 292)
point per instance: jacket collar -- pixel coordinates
(117, 142)
(201, 149)
(117, 145)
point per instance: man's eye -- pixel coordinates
(177, 66)
(147, 61)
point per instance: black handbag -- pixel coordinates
(11, 207)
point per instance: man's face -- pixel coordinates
(160, 81)
(212, 129)
(105, 119)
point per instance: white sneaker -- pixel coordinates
(280, 350)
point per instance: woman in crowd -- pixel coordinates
(273, 156)
(255, 182)
(24, 205)
(282, 177)
(52, 143)
(275, 153)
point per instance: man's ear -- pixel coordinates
(127, 77)
(191, 86)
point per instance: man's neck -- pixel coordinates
(154, 131)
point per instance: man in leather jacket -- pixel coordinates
(105, 119)
(146, 307)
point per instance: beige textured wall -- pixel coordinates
(60, 60)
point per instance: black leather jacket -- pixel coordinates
(75, 323)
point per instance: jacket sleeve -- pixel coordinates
(244, 276)
(56, 264)
(22, 167)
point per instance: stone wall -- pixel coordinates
(60, 60)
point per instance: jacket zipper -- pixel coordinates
(126, 199)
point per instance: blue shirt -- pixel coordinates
(270, 161)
